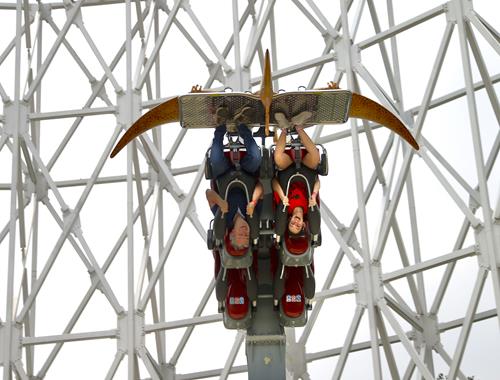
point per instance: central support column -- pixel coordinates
(266, 342)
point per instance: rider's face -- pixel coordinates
(241, 232)
(296, 222)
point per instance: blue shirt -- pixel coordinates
(236, 199)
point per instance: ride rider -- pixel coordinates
(298, 198)
(236, 208)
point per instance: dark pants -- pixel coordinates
(221, 164)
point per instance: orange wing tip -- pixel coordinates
(266, 90)
(365, 108)
(166, 112)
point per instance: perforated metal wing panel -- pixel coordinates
(327, 106)
(198, 110)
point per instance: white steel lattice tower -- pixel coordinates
(408, 282)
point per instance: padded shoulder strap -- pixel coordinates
(290, 174)
(236, 178)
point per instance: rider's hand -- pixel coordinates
(312, 202)
(312, 199)
(250, 208)
(284, 200)
(224, 206)
(332, 85)
(196, 88)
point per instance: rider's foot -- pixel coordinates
(301, 118)
(221, 115)
(244, 115)
(282, 120)
(231, 127)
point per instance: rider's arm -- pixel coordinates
(281, 159)
(311, 159)
(316, 187)
(277, 188)
(257, 193)
(214, 199)
(314, 194)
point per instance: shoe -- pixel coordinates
(221, 115)
(231, 127)
(244, 115)
(282, 120)
(301, 118)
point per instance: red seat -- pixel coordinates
(296, 244)
(292, 300)
(291, 153)
(236, 298)
(234, 157)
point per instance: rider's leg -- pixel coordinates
(251, 161)
(219, 163)
(311, 158)
(281, 159)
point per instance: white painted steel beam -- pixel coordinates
(136, 72)
(478, 155)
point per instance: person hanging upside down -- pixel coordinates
(238, 206)
(298, 178)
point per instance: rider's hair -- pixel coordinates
(232, 240)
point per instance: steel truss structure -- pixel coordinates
(408, 271)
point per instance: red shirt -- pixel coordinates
(297, 196)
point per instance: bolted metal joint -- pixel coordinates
(16, 118)
(68, 214)
(101, 93)
(429, 336)
(167, 371)
(296, 359)
(360, 286)
(40, 188)
(70, 9)
(377, 284)
(122, 333)
(456, 9)
(129, 107)
(482, 245)
(45, 12)
(15, 343)
(353, 241)
(186, 5)
(162, 5)
(216, 71)
(94, 279)
(140, 333)
(473, 204)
